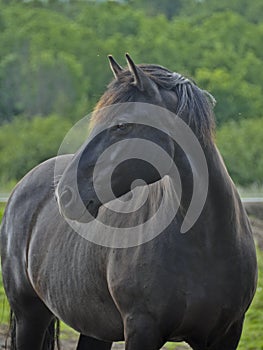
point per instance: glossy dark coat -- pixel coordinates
(194, 287)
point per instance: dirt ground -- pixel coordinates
(256, 218)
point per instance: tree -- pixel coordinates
(241, 146)
(25, 143)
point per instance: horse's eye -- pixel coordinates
(121, 126)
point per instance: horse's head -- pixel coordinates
(132, 116)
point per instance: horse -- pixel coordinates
(193, 284)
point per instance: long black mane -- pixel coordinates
(193, 105)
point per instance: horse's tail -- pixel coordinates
(51, 339)
(51, 336)
(11, 332)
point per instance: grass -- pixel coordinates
(251, 339)
(2, 208)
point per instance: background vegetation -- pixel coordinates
(53, 68)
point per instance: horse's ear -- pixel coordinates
(141, 80)
(115, 67)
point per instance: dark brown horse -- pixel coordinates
(193, 287)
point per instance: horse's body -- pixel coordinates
(194, 287)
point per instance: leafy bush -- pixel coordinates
(24, 144)
(241, 145)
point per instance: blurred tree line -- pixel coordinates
(53, 60)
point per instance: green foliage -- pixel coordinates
(38, 72)
(24, 144)
(53, 53)
(251, 10)
(167, 7)
(2, 208)
(241, 145)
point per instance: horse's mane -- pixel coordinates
(194, 105)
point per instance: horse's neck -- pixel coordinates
(220, 183)
(221, 199)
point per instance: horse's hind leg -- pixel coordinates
(231, 339)
(32, 323)
(88, 343)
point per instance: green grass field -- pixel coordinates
(252, 337)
